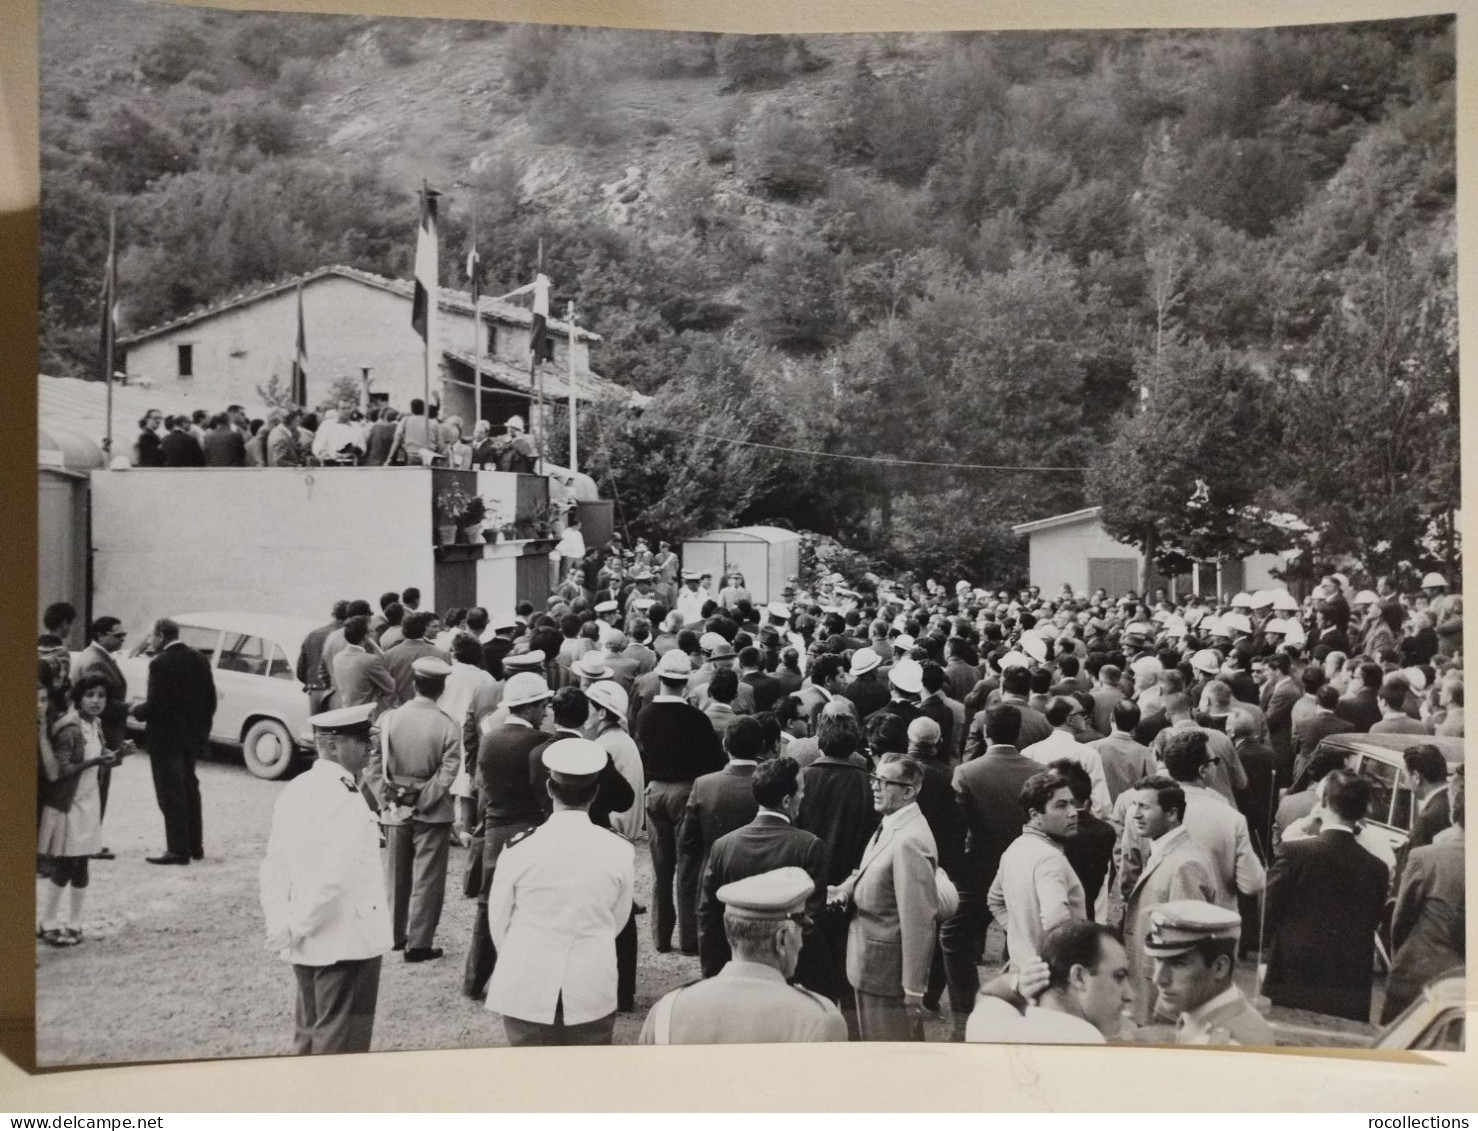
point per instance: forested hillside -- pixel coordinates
(1160, 256)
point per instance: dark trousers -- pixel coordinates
(625, 964)
(666, 803)
(522, 1034)
(822, 967)
(177, 790)
(482, 955)
(962, 938)
(886, 1019)
(415, 877)
(336, 1006)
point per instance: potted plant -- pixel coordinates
(451, 504)
(474, 514)
(492, 522)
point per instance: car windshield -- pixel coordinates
(1385, 785)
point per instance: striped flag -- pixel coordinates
(300, 359)
(538, 341)
(110, 301)
(426, 267)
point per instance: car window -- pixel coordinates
(277, 665)
(1445, 1034)
(203, 640)
(1384, 781)
(1401, 806)
(244, 653)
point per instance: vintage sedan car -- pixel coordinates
(1377, 758)
(1434, 1022)
(260, 705)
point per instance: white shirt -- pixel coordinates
(333, 435)
(322, 883)
(627, 759)
(994, 1021)
(1061, 744)
(559, 897)
(690, 604)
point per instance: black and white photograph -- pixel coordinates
(582, 536)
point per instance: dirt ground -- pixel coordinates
(173, 964)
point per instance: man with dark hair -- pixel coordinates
(51, 646)
(936, 705)
(416, 750)
(1065, 713)
(1296, 806)
(1426, 777)
(359, 675)
(1016, 685)
(1225, 773)
(1394, 693)
(1314, 728)
(411, 599)
(720, 693)
(1035, 887)
(180, 448)
(1325, 898)
(1279, 694)
(559, 897)
(282, 441)
(767, 841)
(1090, 850)
(1174, 867)
(766, 688)
(570, 707)
(177, 714)
(401, 659)
(311, 672)
(1124, 760)
(1194, 945)
(826, 680)
(723, 801)
(1361, 707)
(223, 445)
(1217, 827)
(1088, 992)
(678, 745)
(989, 792)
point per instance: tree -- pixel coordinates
(1207, 432)
(796, 297)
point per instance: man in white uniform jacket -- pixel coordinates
(560, 895)
(323, 889)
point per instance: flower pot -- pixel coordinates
(492, 535)
(446, 533)
(472, 532)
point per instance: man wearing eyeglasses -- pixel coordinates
(890, 942)
(1226, 774)
(1065, 714)
(97, 659)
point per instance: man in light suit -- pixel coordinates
(1428, 930)
(322, 892)
(359, 675)
(560, 895)
(890, 941)
(1219, 829)
(724, 801)
(1176, 868)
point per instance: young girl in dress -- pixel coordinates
(71, 814)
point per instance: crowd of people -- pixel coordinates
(843, 787)
(341, 436)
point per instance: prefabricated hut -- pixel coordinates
(766, 555)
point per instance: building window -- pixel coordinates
(547, 353)
(187, 360)
(492, 346)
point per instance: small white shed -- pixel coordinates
(765, 555)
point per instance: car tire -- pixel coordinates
(268, 749)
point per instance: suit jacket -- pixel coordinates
(224, 448)
(1325, 899)
(719, 804)
(938, 710)
(1124, 761)
(1035, 889)
(1105, 699)
(1431, 819)
(1361, 709)
(416, 744)
(1179, 870)
(767, 842)
(97, 660)
(1428, 927)
(181, 702)
(766, 688)
(867, 693)
(180, 449)
(399, 659)
(1309, 732)
(837, 807)
(942, 810)
(310, 671)
(362, 677)
(1256, 800)
(1222, 832)
(1034, 728)
(989, 793)
(1279, 711)
(890, 941)
(1090, 851)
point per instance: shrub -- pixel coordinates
(572, 105)
(751, 62)
(179, 50)
(531, 50)
(783, 158)
(297, 81)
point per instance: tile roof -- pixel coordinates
(453, 300)
(588, 386)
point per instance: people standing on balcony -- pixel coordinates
(416, 435)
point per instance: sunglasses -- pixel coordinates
(882, 781)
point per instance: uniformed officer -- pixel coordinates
(1194, 945)
(323, 895)
(749, 1001)
(559, 897)
(419, 750)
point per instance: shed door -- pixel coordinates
(752, 560)
(1116, 576)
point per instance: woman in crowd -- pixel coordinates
(148, 451)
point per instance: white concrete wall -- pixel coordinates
(497, 580)
(347, 325)
(1060, 554)
(269, 540)
(1257, 572)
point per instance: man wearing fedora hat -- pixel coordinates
(560, 896)
(866, 689)
(609, 708)
(418, 750)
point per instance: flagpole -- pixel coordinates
(538, 379)
(574, 457)
(109, 300)
(430, 315)
(473, 264)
